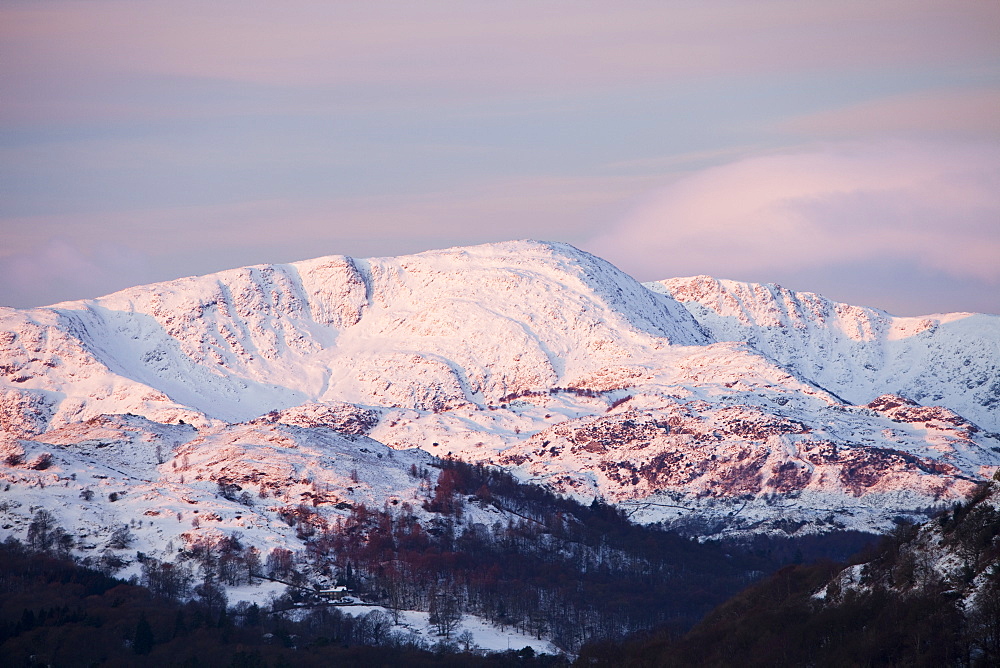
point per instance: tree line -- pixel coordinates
(554, 568)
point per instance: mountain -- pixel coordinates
(859, 353)
(430, 331)
(708, 405)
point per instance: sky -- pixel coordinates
(840, 147)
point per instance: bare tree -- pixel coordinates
(42, 531)
(120, 538)
(445, 612)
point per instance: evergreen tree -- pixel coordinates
(143, 641)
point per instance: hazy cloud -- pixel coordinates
(84, 256)
(60, 270)
(952, 112)
(95, 55)
(934, 206)
(211, 135)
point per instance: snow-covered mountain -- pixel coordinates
(428, 331)
(859, 353)
(711, 404)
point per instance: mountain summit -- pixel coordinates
(426, 331)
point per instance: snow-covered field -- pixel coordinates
(481, 633)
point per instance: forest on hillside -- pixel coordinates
(568, 572)
(900, 614)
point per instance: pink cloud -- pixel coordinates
(936, 206)
(58, 267)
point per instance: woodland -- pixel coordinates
(580, 575)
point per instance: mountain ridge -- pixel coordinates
(533, 356)
(856, 352)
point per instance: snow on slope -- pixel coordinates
(163, 481)
(426, 331)
(749, 463)
(712, 430)
(491, 351)
(859, 353)
(475, 324)
(956, 554)
(416, 624)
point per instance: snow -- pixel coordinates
(485, 635)
(936, 560)
(691, 400)
(859, 353)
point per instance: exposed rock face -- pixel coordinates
(698, 456)
(338, 416)
(23, 413)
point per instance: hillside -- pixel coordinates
(927, 596)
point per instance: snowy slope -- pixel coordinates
(954, 556)
(426, 331)
(680, 400)
(163, 481)
(859, 353)
(752, 463)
